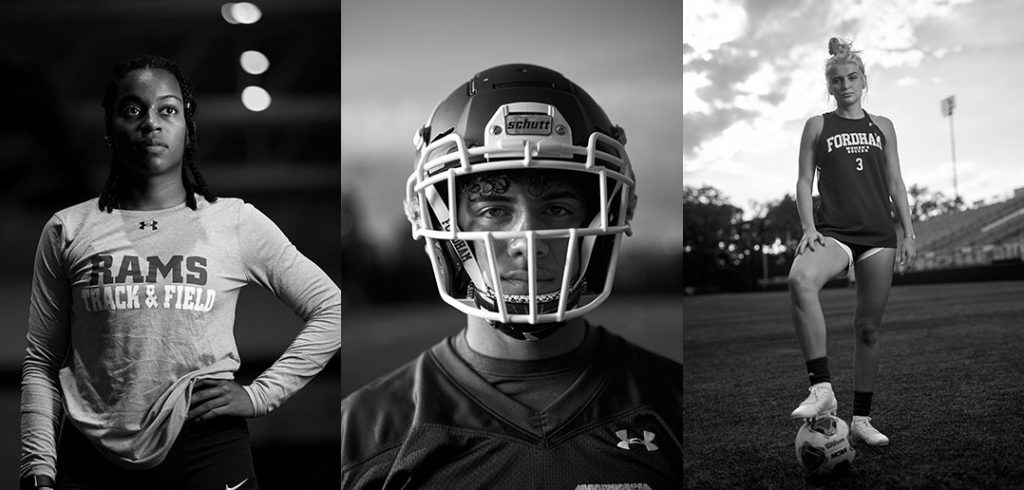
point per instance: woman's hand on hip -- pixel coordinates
(808, 241)
(213, 398)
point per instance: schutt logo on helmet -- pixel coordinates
(530, 124)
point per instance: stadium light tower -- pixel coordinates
(948, 104)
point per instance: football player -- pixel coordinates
(521, 191)
(128, 379)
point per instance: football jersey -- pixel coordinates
(436, 423)
(130, 308)
(855, 202)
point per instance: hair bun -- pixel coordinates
(837, 46)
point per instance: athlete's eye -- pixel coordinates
(559, 211)
(131, 110)
(493, 212)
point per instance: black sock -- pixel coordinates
(862, 403)
(817, 370)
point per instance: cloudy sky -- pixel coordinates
(400, 58)
(754, 73)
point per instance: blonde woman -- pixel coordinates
(859, 181)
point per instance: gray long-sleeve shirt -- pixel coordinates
(130, 308)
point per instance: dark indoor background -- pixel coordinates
(55, 58)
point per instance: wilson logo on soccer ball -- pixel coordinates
(823, 446)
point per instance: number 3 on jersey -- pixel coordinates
(860, 164)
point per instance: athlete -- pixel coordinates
(522, 191)
(128, 379)
(859, 182)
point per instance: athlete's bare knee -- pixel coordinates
(802, 283)
(867, 332)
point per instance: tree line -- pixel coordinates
(723, 251)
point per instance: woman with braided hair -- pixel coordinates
(859, 180)
(123, 178)
(128, 381)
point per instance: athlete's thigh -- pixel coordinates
(820, 265)
(874, 280)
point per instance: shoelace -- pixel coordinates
(819, 394)
(865, 428)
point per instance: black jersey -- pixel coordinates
(855, 203)
(436, 423)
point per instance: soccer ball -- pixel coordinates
(823, 445)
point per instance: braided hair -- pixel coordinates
(190, 175)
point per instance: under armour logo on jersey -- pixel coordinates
(625, 441)
(143, 224)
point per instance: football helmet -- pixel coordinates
(513, 118)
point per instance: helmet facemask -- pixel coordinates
(523, 142)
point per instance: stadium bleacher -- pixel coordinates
(982, 235)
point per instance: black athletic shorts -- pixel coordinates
(213, 455)
(859, 250)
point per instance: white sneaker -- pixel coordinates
(820, 402)
(862, 430)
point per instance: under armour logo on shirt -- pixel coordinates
(625, 441)
(143, 224)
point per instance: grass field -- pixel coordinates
(949, 392)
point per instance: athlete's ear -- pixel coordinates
(190, 123)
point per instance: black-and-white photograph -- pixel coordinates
(511, 179)
(158, 157)
(853, 244)
(350, 244)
